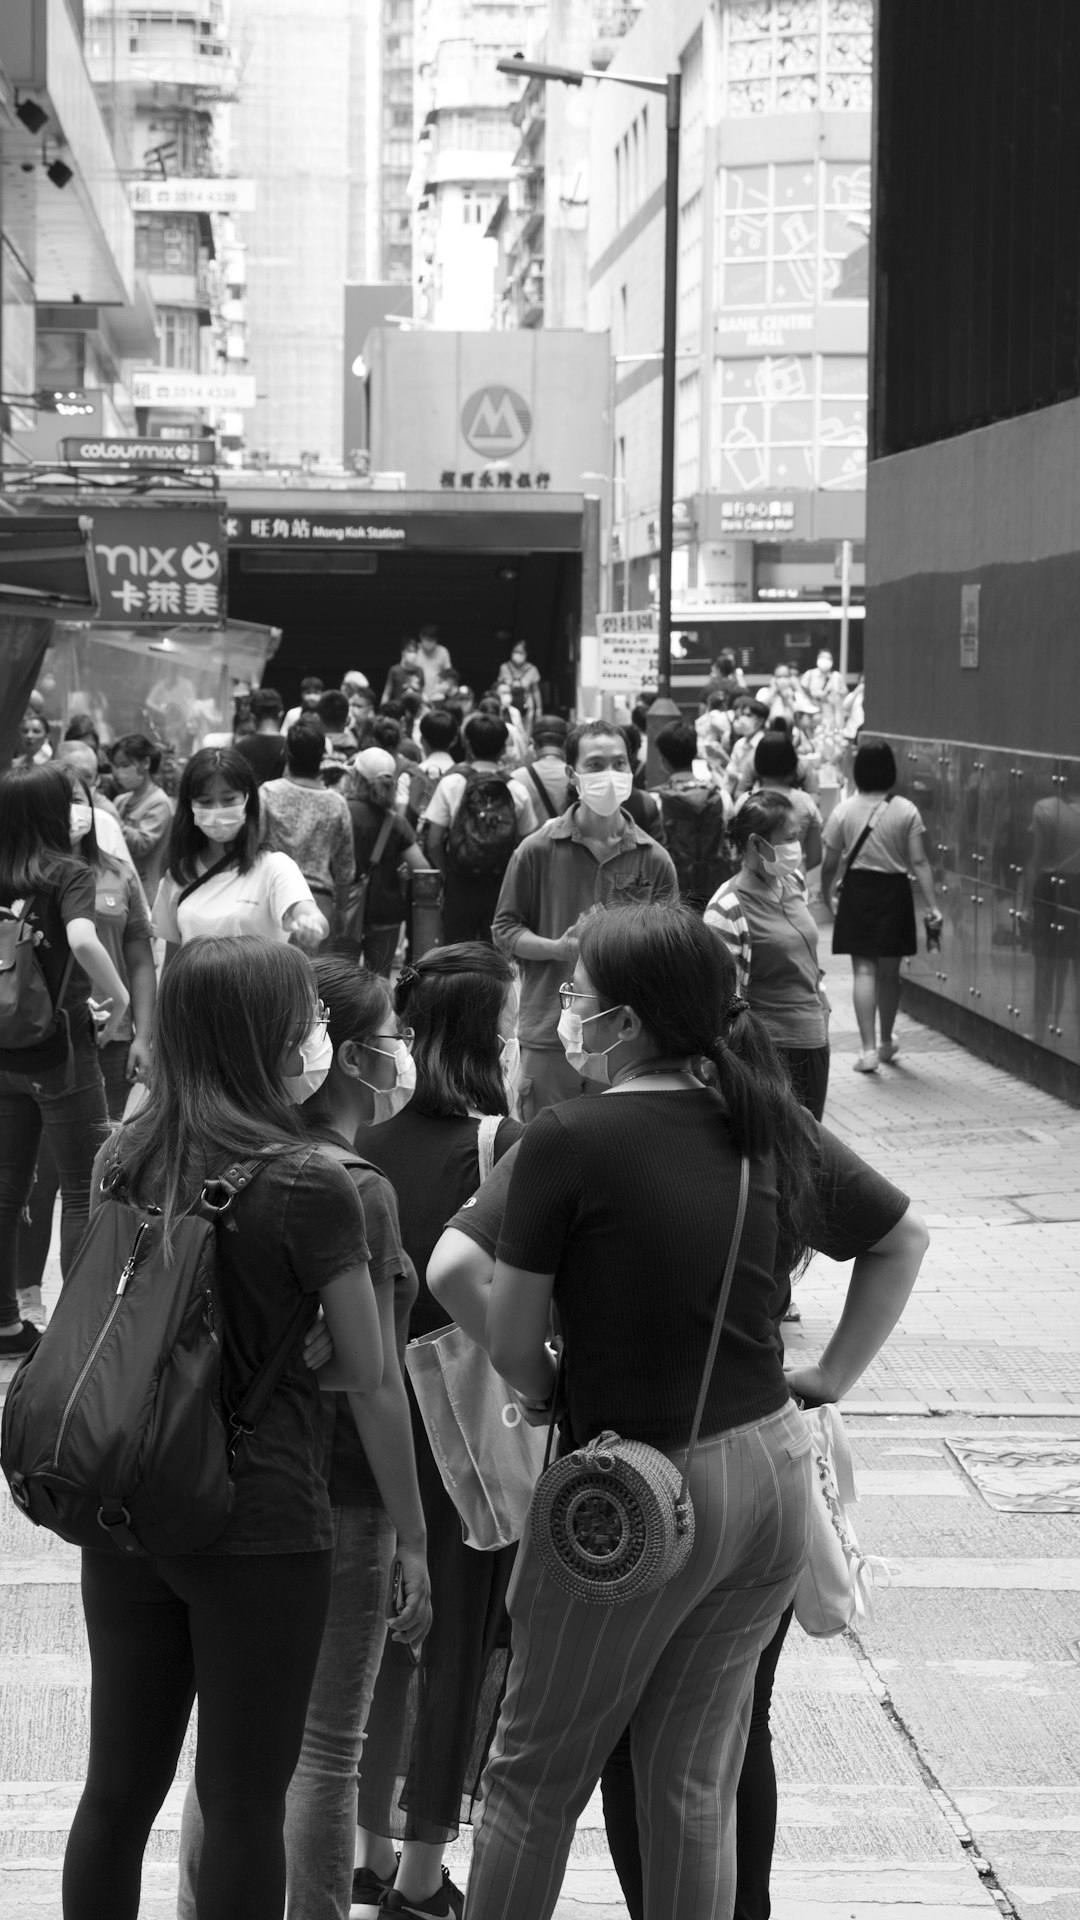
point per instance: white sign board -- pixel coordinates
(192, 196)
(165, 387)
(628, 650)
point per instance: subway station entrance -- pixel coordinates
(348, 575)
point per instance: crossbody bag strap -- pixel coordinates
(200, 880)
(381, 839)
(865, 834)
(717, 1329)
(545, 798)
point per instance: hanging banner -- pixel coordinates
(160, 565)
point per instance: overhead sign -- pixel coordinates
(557, 531)
(750, 514)
(629, 658)
(124, 452)
(192, 196)
(165, 387)
(774, 331)
(159, 565)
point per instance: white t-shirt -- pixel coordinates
(110, 836)
(255, 902)
(446, 799)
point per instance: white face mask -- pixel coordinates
(390, 1100)
(605, 792)
(511, 1066)
(591, 1066)
(317, 1054)
(789, 857)
(81, 819)
(220, 823)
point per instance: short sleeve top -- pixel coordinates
(254, 902)
(442, 808)
(890, 846)
(70, 896)
(120, 915)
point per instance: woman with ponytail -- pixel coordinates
(620, 1212)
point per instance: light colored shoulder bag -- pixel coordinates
(836, 1586)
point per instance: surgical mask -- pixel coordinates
(81, 819)
(390, 1100)
(127, 777)
(605, 792)
(591, 1066)
(789, 857)
(219, 823)
(317, 1054)
(767, 859)
(511, 1066)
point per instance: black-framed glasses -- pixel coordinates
(403, 1033)
(568, 993)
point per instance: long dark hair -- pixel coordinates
(35, 830)
(227, 1010)
(452, 999)
(679, 978)
(186, 843)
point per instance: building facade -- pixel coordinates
(774, 216)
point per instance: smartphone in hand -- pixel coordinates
(397, 1602)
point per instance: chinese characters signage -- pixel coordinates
(757, 514)
(157, 566)
(495, 479)
(192, 196)
(628, 650)
(315, 530)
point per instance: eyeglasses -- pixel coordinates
(403, 1033)
(322, 1014)
(568, 993)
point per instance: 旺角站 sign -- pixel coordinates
(159, 565)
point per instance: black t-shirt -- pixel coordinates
(386, 899)
(351, 1480)
(857, 1207)
(71, 896)
(431, 1161)
(264, 753)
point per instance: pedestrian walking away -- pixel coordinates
(430, 1727)
(310, 822)
(604, 1195)
(696, 814)
(220, 878)
(592, 855)
(474, 820)
(383, 842)
(872, 843)
(264, 749)
(371, 1477)
(238, 1035)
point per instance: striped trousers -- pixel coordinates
(676, 1666)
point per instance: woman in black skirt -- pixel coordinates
(873, 843)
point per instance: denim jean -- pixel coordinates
(67, 1106)
(320, 1807)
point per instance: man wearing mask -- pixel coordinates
(590, 856)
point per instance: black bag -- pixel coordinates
(31, 1023)
(483, 833)
(114, 1429)
(695, 823)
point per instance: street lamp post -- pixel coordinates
(663, 708)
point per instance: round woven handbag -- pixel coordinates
(607, 1521)
(614, 1519)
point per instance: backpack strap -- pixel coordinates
(543, 795)
(381, 839)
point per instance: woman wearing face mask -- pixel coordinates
(763, 917)
(428, 1731)
(122, 920)
(239, 1037)
(50, 1081)
(370, 1468)
(143, 807)
(219, 880)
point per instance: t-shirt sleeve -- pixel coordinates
(75, 894)
(324, 1230)
(163, 919)
(524, 811)
(443, 804)
(285, 885)
(138, 913)
(386, 1255)
(482, 1216)
(915, 827)
(832, 836)
(545, 1197)
(857, 1206)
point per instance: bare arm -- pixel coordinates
(881, 1282)
(92, 957)
(142, 978)
(305, 925)
(436, 846)
(921, 868)
(459, 1274)
(353, 1319)
(518, 1319)
(830, 866)
(385, 1428)
(812, 850)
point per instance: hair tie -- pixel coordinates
(408, 977)
(737, 1006)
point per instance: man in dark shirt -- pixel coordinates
(264, 750)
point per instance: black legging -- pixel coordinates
(244, 1631)
(755, 1807)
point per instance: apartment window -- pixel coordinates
(179, 336)
(796, 56)
(164, 246)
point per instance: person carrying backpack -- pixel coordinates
(240, 1040)
(438, 734)
(475, 818)
(50, 1073)
(696, 814)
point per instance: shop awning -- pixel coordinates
(47, 564)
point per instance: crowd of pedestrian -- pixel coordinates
(546, 1130)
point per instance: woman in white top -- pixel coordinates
(217, 878)
(872, 844)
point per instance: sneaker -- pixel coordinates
(448, 1903)
(866, 1063)
(31, 1307)
(368, 1891)
(19, 1343)
(888, 1050)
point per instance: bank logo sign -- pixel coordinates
(495, 422)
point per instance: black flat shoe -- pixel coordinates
(22, 1342)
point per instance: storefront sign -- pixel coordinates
(629, 658)
(774, 331)
(745, 515)
(192, 196)
(495, 479)
(315, 530)
(165, 387)
(138, 453)
(489, 529)
(157, 566)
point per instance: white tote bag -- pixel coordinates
(836, 1586)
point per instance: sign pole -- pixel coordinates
(845, 608)
(663, 708)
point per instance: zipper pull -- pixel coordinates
(129, 1266)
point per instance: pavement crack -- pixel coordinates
(938, 1793)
